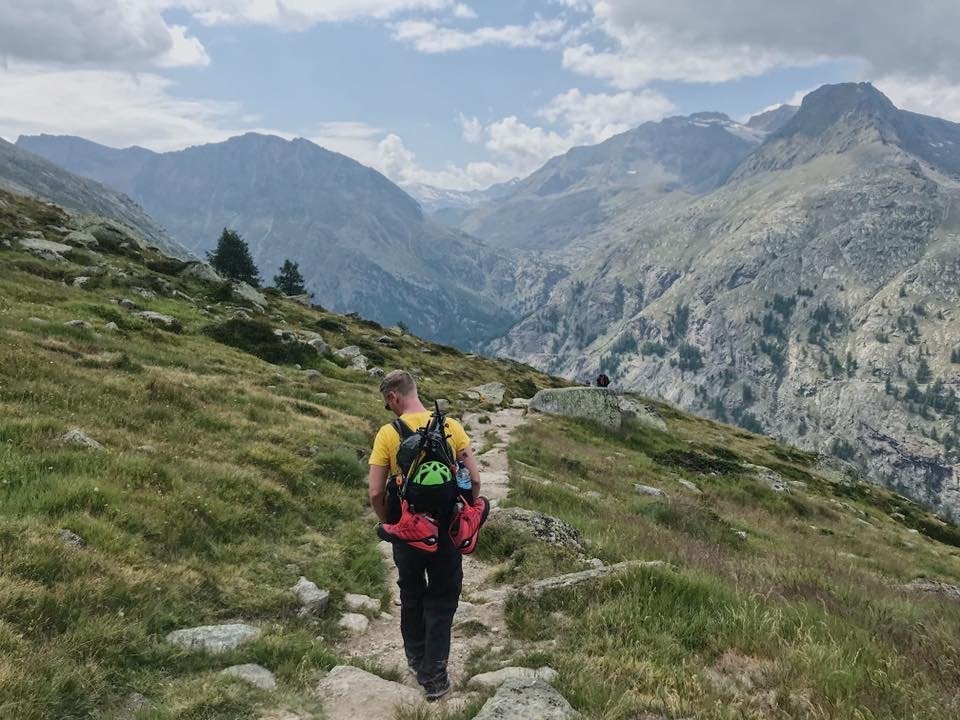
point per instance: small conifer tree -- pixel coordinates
(232, 258)
(289, 280)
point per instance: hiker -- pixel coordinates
(431, 572)
(602, 380)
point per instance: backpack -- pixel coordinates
(427, 466)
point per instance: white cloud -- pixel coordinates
(184, 51)
(932, 96)
(107, 33)
(593, 118)
(109, 106)
(464, 12)
(300, 14)
(429, 37)
(699, 41)
(472, 129)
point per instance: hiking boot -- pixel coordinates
(436, 689)
(414, 667)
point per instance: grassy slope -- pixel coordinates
(224, 479)
(803, 619)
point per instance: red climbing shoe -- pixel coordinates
(418, 530)
(466, 524)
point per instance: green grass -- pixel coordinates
(810, 601)
(225, 477)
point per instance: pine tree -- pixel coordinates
(923, 371)
(289, 280)
(232, 258)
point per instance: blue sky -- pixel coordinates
(456, 94)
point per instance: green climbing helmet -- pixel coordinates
(432, 473)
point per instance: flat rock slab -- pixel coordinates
(39, 245)
(214, 638)
(570, 579)
(493, 680)
(648, 490)
(256, 675)
(349, 693)
(526, 700)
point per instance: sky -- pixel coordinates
(452, 93)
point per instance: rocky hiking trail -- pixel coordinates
(349, 693)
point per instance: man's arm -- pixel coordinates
(467, 457)
(377, 489)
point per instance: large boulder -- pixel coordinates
(112, 235)
(44, 249)
(250, 294)
(201, 271)
(349, 693)
(526, 700)
(601, 405)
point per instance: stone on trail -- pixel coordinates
(214, 638)
(493, 680)
(313, 600)
(349, 693)
(520, 403)
(354, 623)
(79, 437)
(648, 490)
(256, 675)
(361, 603)
(490, 392)
(526, 700)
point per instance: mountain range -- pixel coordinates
(796, 274)
(810, 295)
(362, 243)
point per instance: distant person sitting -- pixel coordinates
(603, 381)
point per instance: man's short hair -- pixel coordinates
(398, 381)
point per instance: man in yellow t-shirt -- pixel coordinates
(430, 583)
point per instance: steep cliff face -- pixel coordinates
(812, 296)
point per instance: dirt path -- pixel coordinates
(382, 643)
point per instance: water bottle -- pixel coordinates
(463, 477)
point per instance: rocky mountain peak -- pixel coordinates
(772, 120)
(852, 103)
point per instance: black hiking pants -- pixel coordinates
(430, 585)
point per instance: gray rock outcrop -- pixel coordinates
(527, 700)
(349, 693)
(540, 525)
(488, 393)
(76, 436)
(214, 639)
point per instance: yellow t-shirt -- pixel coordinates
(387, 443)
